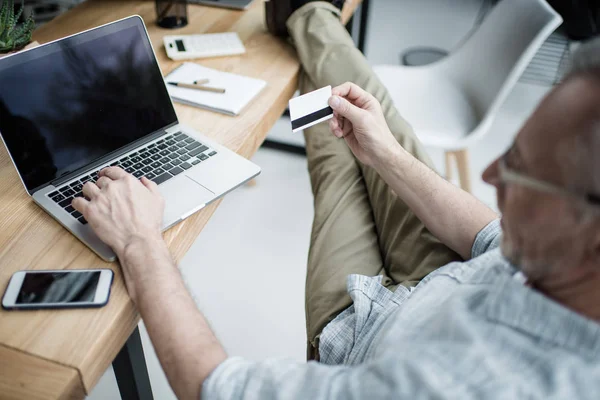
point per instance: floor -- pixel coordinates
(246, 270)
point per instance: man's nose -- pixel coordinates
(490, 175)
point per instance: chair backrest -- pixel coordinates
(490, 63)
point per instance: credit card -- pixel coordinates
(310, 109)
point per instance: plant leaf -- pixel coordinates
(20, 11)
(3, 13)
(13, 36)
(7, 13)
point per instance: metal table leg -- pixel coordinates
(290, 148)
(130, 370)
(359, 32)
(364, 22)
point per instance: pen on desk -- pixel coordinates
(197, 87)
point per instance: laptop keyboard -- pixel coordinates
(159, 162)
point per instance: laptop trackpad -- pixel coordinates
(182, 195)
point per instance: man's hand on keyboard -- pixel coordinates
(121, 209)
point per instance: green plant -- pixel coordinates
(13, 37)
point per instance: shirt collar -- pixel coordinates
(526, 309)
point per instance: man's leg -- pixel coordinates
(344, 237)
(360, 225)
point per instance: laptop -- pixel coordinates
(95, 99)
(235, 4)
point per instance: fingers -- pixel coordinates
(80, 204)
(102, 181)
(113, 173)
(352, 92)
(346, 109)
(349, 90)
(334, 127)
(340, 126)
(152, 186)
(346, 129)
(90, 190)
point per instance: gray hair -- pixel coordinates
(586, 59)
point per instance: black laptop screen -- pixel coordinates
(69, 103)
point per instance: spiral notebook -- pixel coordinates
(239, 90)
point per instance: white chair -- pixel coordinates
(453, 102)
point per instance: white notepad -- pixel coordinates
(239, 90)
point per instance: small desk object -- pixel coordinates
(62, 354)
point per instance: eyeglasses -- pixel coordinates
(508, 175)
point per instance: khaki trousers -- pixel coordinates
(360, 225)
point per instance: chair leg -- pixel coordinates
(462, 161)
(448, 156)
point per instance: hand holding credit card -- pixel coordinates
(354, 115)
(310, 109)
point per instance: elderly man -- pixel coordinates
(408, 294)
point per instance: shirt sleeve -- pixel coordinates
(239, 379)
(487, 239)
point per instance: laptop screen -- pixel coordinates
(68, 103)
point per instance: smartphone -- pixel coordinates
(31, 290)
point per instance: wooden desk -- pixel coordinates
(63, 354)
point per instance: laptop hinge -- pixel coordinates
(115, 154)
(173, 129)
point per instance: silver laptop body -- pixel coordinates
(235, 4)
(76, 105)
